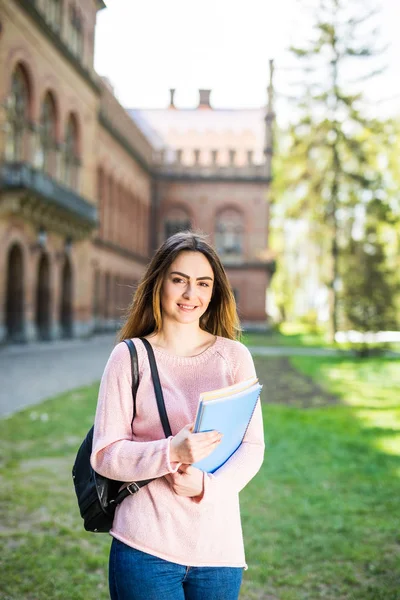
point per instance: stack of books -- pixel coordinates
(229, 411)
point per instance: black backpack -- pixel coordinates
(98, 496)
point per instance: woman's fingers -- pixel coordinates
(205, 440)
(202, 448)
(187, 447)
(206, 450)
(207, 435)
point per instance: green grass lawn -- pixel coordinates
(289, 335)
(321, 519)
(295, 335)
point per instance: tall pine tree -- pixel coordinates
(332, 161)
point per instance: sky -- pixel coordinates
(144, 48)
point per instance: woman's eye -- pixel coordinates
(177, 280)
(204, 284)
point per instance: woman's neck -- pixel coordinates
(182, 340)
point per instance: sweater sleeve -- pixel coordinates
(115, 454)
(243, 465)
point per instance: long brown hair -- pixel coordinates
(144, 313)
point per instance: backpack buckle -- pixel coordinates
(133, 487)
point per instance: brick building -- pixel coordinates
(210, 174)
(88, 189)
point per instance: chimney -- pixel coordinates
(204, 99)
(171, 101)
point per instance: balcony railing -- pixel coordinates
(21, 176)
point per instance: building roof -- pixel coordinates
(204, 129)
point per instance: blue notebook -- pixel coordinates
(228, 411)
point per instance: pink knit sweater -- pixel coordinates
(156, 520)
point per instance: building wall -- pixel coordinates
(121, 244)
(80, 276)
(48, 70)
(204, 203)
(84, 11)
(250, 285)
(106, 262)
(212, 175)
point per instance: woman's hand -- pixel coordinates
(187, 447)
(187, 481)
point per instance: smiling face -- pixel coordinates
(187, 288)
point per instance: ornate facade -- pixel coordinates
(88, 190)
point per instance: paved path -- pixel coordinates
(33, 372)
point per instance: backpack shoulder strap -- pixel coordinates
(157, 388)
(135, 373)
(135, 486)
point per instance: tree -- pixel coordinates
(334, 144)
(369, 291)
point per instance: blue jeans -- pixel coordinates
(136, 575)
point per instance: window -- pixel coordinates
(229, 233)
(17, 116)
(172, 227)
(75, 32)
(52, 13)
(47, 136)
(177, 220)
(70, 156)
(100, 201)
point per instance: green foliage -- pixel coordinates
(369, 286)
(331, 162)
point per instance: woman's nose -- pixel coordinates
(188, 291)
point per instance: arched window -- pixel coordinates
(176, 220)
(17, 116)
(229, 233)
(47, 136)
(70, 155)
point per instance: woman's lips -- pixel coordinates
(187, 307)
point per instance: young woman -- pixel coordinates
(179, 537)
